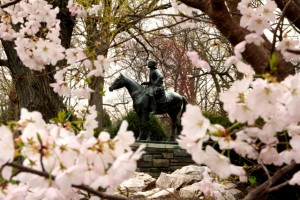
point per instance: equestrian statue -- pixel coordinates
(151, 98)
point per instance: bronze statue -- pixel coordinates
(173, 104)
(155, 88)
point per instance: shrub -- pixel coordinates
(158, 129)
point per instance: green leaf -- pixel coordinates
(102, 93)
(273, 62)
(39, 138)
(88, 80)
(61, 116)
(252, 180)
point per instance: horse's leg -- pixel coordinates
(140, 125)
(173, 119)
(148, 126)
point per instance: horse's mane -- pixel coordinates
(129, 78)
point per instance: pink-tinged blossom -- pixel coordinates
(275, 124)
(235, 102)
(53, 193)
(75, 10)
(7, 32)
(291, 97)
(61, 89)
(128, 164)
(267, 10)
(217, 163)
(245, 149)
(245, 69)
(254, 38)
(193, 147)
(293, 130)
(7, 147)
(193, 133)
(247, 17)
(70, 176)
(82, 93)
(216, 130)
(287, 156)
(267, 137)
(124, 138)
(194, 123)
(264, 96)
(232, 60)
(7, 172)
(90, 122)
(14, 192)
(258, 24)
(269, 155)
(48, 52)
(295, 144)
(194, 58)
(295, 179)
(101, 64)
(287, 43)
(239, 48)
(74, 55)
(244, 5)
(243, 179)
(94, 10)
(33, 117)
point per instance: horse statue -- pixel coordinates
(174, 105)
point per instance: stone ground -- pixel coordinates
(190, 182)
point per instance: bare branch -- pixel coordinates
(9, 4)
(115, 105)
(265, 187)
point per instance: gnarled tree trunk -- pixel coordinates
(32, 88)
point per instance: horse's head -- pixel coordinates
(118, 83)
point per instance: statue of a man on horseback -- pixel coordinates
(155, 89)
(168, 102)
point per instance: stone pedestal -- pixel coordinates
(162, 157)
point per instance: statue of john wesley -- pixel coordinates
(155, 89)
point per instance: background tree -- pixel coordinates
(227, 20)
(32, 87)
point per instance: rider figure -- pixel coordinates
(155, 87)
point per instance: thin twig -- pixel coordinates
(277, 27)
(277, 187)
(268, 174)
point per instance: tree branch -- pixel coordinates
(257, 57)
(115, 105)
(9, 4)
(3, 63)
(82, 187)
(264, 188)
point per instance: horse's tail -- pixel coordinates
(184, 103)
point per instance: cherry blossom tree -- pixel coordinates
(263, 102)
(63, 159)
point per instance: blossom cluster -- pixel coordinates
(248, 101)
(265, 109)
(38, 44)
(259, 19)
(67, 159)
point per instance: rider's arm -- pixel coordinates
(145, 83)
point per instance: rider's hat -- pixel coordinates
(152, 64)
